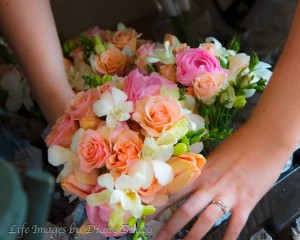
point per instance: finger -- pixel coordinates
(205, 222)
(184, 214)
(236, 223)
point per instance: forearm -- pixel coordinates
(277, 116)
(30, 30)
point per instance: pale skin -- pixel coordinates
(243, 168)
(30, 30)
(238, 173)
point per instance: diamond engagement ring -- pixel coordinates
(223, 207)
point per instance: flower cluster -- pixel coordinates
(133, 134)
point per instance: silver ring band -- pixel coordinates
(223, 207)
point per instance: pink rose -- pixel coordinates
(195, 62)
(157, 114)
(62, 132)
(77, 53)
(99, 217)
(82, 105)
(138, 86)
(93, 150)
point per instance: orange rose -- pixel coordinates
(186, 168)
(93, 150)
(126, 37)
(80, 183)
(126, 147)
(112, 61)
(157, 114)
(168, 71)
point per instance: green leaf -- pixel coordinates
(234, 43)
(254, 60)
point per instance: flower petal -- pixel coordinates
(196, 147)
(163, 172)
(119, 97)
(102, 108)
(58, 155)
(76, 139)
(106, 180)
(95, 199)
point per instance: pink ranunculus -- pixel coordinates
(93, 150)
(157, 114)
(82, 105)
(62, 132)
(138, 86)
(195, 62)
(99, 215)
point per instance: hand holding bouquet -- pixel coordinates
(133, 136)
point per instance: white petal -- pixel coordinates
(68, 168)
(127, 182)
(119, 96)
(214, 41)
(237, 63)
(106, 180)
(263, 73)
(196, 147)
(163, 172)
(145, 168)
(102, 108)
(164, 153)
(58, 155)
(262, 65)
(111, 121)
(137, 211)
(76, 139)
(116, 196)
(131, 201)
(95, 199)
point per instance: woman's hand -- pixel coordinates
(238, 173)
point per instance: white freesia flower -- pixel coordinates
(195, 123)
(75, 74)
(237, 63)
(163, 55)
(125, 193)
(155, 157)
(58, 155)
(114, 106)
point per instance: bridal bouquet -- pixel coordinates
(144, 111)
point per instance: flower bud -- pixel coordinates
(148, 210)
(180, 148)
(239, 102)
(131, 221)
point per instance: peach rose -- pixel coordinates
(112, 61)
(126, 148)
(80, 183)
(62, 132)
(168, 71)
(195, 62)
(93, 150)
(157, 114)
(126, 37)
(186, 167)
(82, 105)
(207, 86)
